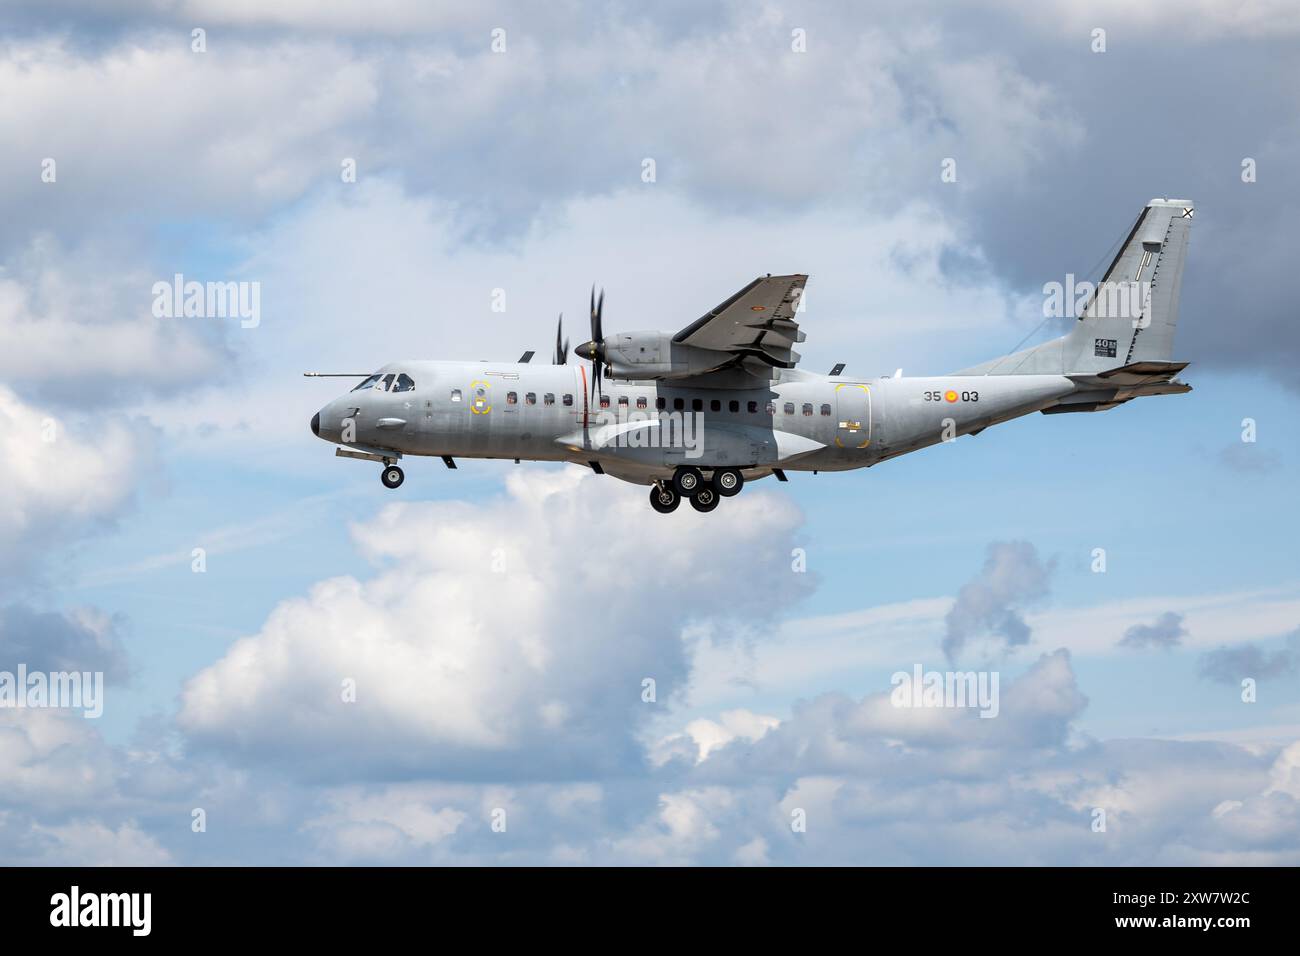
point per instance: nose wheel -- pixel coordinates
(392, 476)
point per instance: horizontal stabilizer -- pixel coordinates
(1135, 373)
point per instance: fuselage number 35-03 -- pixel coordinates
(952, 395)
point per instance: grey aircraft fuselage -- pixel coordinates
(798, 422)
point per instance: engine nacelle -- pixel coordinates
(654, 355)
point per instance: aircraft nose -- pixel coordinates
(315, 424)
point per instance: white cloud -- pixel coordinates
(709, 735)
(1156, 20)
(91, 843)
(78, 329)
(61, 476)
(229, 132)
(459, 669)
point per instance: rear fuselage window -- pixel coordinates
(751, 407)
(512, 398)
(807, 408)
(826, 410)
(568, 399)
(530, 398)
(548, 399)
(641, 402)
(789, 408)
(679, 404)
(455, 395)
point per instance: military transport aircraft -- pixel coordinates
(697, 413)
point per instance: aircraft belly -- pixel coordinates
(656, 445)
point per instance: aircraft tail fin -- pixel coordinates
(1130, 316)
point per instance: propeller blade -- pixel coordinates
(561, 351)
(597, 340)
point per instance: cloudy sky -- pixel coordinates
(499, 622)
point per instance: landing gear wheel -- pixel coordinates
(687, 480)
(728, 481)
(392, 476)
(706, 499)
(664, 498)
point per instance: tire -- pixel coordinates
(728, 482)
(706, 499)
(392, 476)
(688, 480)
(665, 500)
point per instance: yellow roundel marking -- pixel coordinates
(950, 395)
(480, 405)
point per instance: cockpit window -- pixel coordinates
(368, 383)
(404, 383)
(388, 381)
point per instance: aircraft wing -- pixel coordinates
(758, 324)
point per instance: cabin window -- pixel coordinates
(789, 408)
(715, 406)
(733, 406)
(807, 408)
(622, 401)
(568, 399)
(771, 408)
(455, 395)
(404, 383)
(530, 398)
(679, 404)
(697, 404)
(751, 407)
(604, 401)
(548, 399)
(512, 398)
(661, 403)
(826, 410)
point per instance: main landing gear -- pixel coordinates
(392, 476)
(689, 482)
(664, 498)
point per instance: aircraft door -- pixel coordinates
(853, 411)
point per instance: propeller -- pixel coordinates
(594, 351)
(561, 349)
